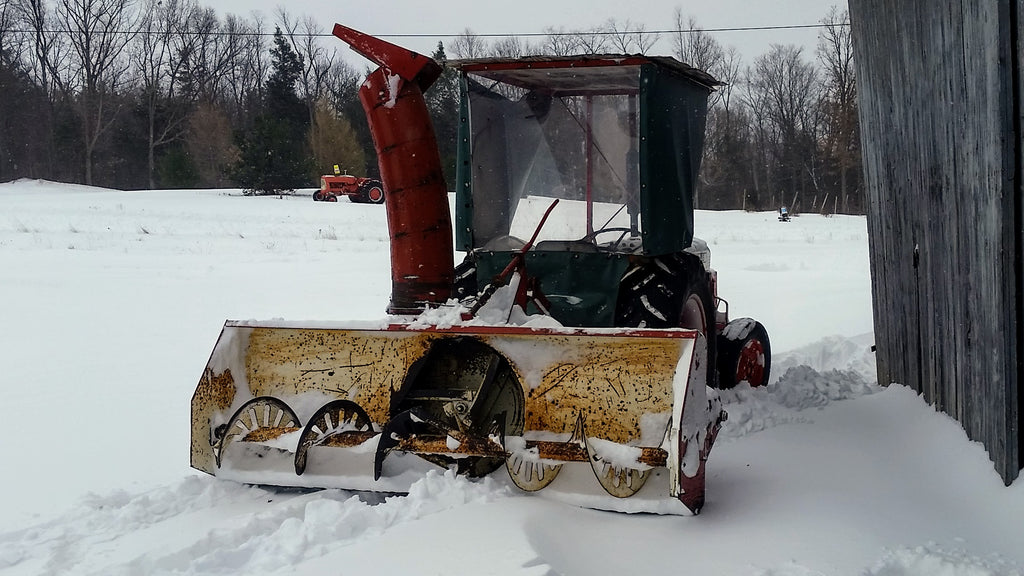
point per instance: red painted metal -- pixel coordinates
(691, 492)
(410, 66)
(342, 185)
(422, 262)
(549, 62)
(750, 366)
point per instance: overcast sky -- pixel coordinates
(385, 17)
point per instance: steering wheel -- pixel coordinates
(592, 237)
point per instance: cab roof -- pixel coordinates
(580, 74)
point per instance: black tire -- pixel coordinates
(744, 354)
(372, 192)
(654, 294)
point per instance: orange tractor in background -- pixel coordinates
(363, 190)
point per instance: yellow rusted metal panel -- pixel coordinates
(620, 384)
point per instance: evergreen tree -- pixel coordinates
(22, 126)
(443, 103)
(275, 153)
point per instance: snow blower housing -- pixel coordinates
(574, 202)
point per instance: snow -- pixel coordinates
(394, 83)
(111, 302)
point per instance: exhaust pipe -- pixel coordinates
(419, 222)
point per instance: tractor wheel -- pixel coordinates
(372, 191)
(670, 292)
(744, 354)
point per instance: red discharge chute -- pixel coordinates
(419, 222)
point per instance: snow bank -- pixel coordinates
(846, 354)
(842, 366)
(34, 186)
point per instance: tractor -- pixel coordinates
(362, 190)
(580, 338)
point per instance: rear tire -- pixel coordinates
(670, 292)
(372, 191)
(745, 354)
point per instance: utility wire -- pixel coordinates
(484, 35)
(617, 33)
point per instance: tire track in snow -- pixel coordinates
(277, 539)
(207, 526)
(62, 544)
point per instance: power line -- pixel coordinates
(488, 34)
(616, 32)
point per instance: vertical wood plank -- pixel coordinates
(940, 107)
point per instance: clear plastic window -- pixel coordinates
(532, 143)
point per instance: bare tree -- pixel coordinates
(728, 72)
(592, 41)
(724, 139)
(559, 42)
(764, 140)
(727, 138)
(695, 46)
(315, 58)
(98, 32)
(699, 49)
(839, 101)
(783, 93)
(50, 50)
(629, 37)
(469, 45)
(342, 85)
(10, 45)
(168, 38)
(245, 74)
(510, 47)
(210, 56)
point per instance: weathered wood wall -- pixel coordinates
(940, 109)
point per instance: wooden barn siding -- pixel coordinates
(941, 150)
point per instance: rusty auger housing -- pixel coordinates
(293, 406)
(617, 387)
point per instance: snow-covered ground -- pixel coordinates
(110, 303)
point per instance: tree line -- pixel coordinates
(168, 94)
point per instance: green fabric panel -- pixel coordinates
(673, 113)
(588, 283)
(463, 175)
